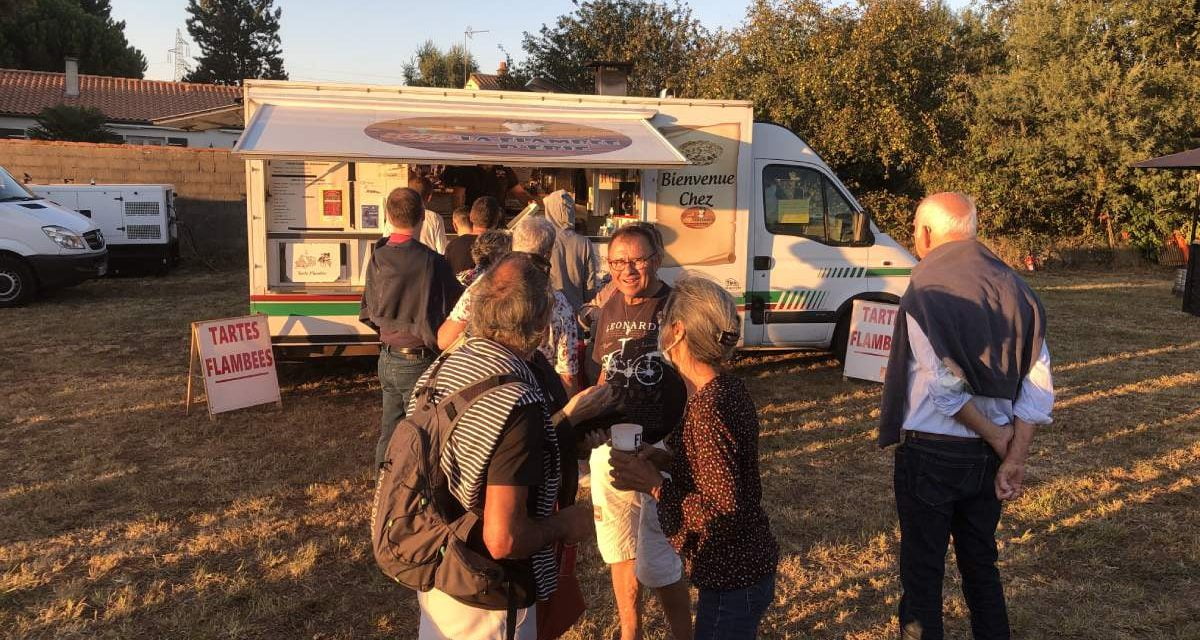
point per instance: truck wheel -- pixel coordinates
(17, 285)
(841, 335)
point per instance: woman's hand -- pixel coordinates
(633, 472)
(591, 440)
(589, 403)
(660, 458)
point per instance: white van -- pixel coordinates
(138, 220)
(747, 204)
(42, 245)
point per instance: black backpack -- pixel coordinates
(418, 528)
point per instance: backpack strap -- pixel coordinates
(457, 404)
(425, 392)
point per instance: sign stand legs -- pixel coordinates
(193, 355)
(187, 399)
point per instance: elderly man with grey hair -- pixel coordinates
(968, 381)
(534, 235)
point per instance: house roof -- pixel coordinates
(26, 93)
(492, 82)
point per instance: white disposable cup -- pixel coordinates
(627, 437)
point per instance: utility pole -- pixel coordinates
(180, 55)
(469, 33)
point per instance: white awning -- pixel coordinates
(424, 134)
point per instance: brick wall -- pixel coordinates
(203, 174)
(210, 184)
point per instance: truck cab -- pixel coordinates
(814, 249)
(42, 245)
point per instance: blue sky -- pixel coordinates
(368, 41)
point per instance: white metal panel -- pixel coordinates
(417, 134)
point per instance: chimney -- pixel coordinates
(71, 86)
(502, 68)
(612, 78)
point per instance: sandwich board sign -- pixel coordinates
(870, 340)
(236, 362)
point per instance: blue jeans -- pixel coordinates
(398, 375)
(733, 615)
(944, 491)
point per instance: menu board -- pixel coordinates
(697, 204)
(307, 196)
(373, 181)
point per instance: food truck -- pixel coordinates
(746, 204)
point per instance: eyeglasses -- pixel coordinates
(620, 266)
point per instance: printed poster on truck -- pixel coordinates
(304, 195)
(313, 261)
(236, 362)
(696, 204)
(869, 343)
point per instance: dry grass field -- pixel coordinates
(121, 518)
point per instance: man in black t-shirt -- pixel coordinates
(651, 394)
(485, 214)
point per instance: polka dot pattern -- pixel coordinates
(711, 508)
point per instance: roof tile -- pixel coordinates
(26, 93)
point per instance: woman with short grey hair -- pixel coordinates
(535, 236)
(489, 247)
(710, 506)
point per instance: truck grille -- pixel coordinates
(94, 239)
(143, 232)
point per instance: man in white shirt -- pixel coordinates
(432, 232)
(968, 382)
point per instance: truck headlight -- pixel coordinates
(64, 237)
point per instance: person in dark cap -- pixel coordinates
(966, 386)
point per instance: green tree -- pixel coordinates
(432, 67)
(663, 41)
(38, 35)
(874, 88)
(1086, 88)
(74, 124)
(238, 40)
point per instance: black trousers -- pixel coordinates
(944, 490)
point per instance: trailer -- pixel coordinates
(138, 220)
(747, 204)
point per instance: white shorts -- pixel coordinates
(627, 528)
(444, 618)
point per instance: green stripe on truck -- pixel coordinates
(889, 271)
(306, 308)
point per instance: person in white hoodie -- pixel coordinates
(574, 262)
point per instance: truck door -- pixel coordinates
(810, 253)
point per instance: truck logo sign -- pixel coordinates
(701, 152)
(697, 217)
(497, 136)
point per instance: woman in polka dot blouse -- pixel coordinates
(710, 506)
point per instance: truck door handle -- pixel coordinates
(763, 263)
(887, 263)
(120, 228)
(758, 310)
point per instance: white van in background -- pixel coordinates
(42, 245)
(138, 220)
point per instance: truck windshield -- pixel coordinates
(11, 190)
